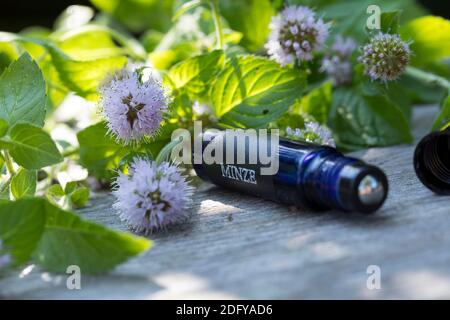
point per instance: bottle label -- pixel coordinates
(242, 177)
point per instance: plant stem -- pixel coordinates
(9, 163)
(167, 150)
(217, 22)
(70, 152)
(428, 78)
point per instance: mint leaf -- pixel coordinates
(390, 21)
(84, 76)
(69, 240)
(22, 93)
(8, 53)
(194, 74)
(3, 127)
(31, 147)
(21, 226)
(184, 7)
(251, 18)
(23, 183)
(102, 155)
(430, 37)
(55, 192)
(252, 91)
(5, 188)
(99, 152)
(79, 197)
(354, 24)
(317, 103)
(88, 43)
(70, 187)
(443, 119)
(139, 15)
(362, 120)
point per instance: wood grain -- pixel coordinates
(237, 246)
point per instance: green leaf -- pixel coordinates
(88, 43)
(350, 16)
(70, 187)
(79, 197)
(251, 18)
(69, 240)
(430, 37)
(194, 74)
(138, 15)
(23, 183)
(180, 43)
(363, 120)
(99, 152)
(2, 162)
(317, 103)
(390, 21)
(288, 119)
(3, 127)
(31, 147)
(22, 93)
(185, 7)
(8, 53)
(252, 91)
(55, 191)
(94, 41)
(21, 226)
(84, 77)
(4, 190)
(443, 119)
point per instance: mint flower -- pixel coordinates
(336, 63)
(133, 108)
(296, 34)
(385, 58)
(151, 196)
(313, 132)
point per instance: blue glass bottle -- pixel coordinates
(309, 175)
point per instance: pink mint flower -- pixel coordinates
(336, 64)
(313, 132)
(385, 58)
(152, 196)
(296, 34)
(132, 108)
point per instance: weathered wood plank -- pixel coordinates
(238, 246)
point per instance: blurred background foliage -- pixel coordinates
(163, 40)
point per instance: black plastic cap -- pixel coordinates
(432, 161)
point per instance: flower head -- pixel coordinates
(337, 63)
(385, 57)
(5, 259)
(313, 132)
(296, 34)
(133, 108)
(151, 196)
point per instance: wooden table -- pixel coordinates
(242, 247)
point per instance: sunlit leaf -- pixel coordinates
(252, 91)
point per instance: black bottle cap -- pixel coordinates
(432, 161)
(362, 187)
